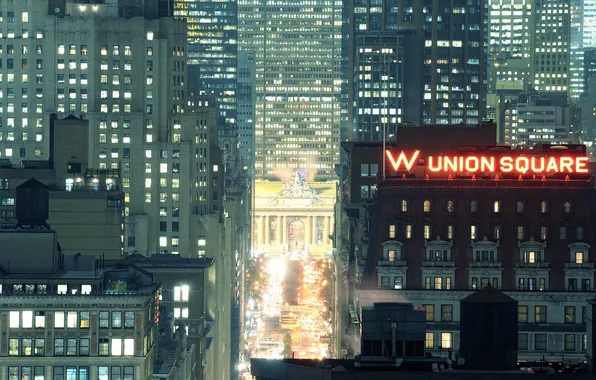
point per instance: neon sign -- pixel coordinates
(491, 164)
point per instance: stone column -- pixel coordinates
(267, 230)
(325, 231)
(329, 228)
(313, 231)
(278, 232)
(307, 227)
(262, 231)
(286, 230)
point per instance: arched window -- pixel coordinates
(426, 206)
(497, 206)
(404, 205)
(520, 206)
(544, 207)
(474, 206)
(567, 207)
(450, 206)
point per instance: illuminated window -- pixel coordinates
(567, 207)
(71, 319)
(427, 231)
(520, 232)
(408, 231)
(450, 206)
(426, 206)
(520, 207)
(579, 257)
(129, 347)
(392, 231)
(446, 340)
(404, 205)
(430, 340)
(149, 36)
(473, 232)
(116, 347)
(497, 206)
(544, 207)
(27, 316)
(59, 319)
(14, 319)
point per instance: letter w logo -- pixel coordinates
(402, 159)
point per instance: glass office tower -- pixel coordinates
(212, 50)
(297, 46)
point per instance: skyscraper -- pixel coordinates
(576, 64)
(297, 52)
(212, 50)
(437, 72)
(384, 88)
(552, 45)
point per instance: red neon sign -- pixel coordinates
(491, 164)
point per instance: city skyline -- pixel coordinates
(252, 178)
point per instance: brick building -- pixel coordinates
(431, 237)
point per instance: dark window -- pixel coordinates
(540, 342)
(446, 313)
(522, 342)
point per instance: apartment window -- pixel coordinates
(71, 347)
(13, 347)
(129, 319)
(58, 346)
(27, 347)
(104, 346)
(569, 342)
(27, 319)
(446, 340)
(497, 232)
(544, 207)
(398, 283)
(426, 207)
(522, 342)
(404, 205)
(569, 314)
(522, 313)
(446, 313)
(84, 347)
(473, 232)
(59, 319)
(40, 319)
(563, 233)
(14, 320)
(438, 283)
(116, 319)
(84, 320)
(426, 231)
(497, 206)
(116, 347)
(40, 347)
(567, 207)
(543, 232)
(579, 233)
(520, 232)
(450, 207)
(430, 312)
(430, 340)
(474, 206)
(71, 320)
(129, 347)
(520, 207)
(540, 314)
(540, 342)
(104, 319)
(392, 231)
(427, 283)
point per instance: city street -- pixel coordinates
(288, 314)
